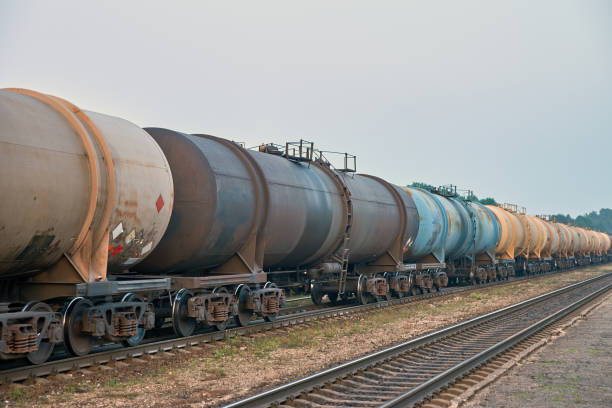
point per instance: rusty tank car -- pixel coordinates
(84, 195)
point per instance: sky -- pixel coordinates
(512, 100)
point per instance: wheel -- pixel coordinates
(44, 347)
(77, 342)
(414, 291)
(137, 338)
(183, 324)
(244, 315)
(223, 325)
(315, 293)
(363, 297)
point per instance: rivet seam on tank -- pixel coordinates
(117, 231)
(159, 203)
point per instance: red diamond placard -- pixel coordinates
(159, 203)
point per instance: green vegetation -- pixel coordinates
(599, 221)
(422, 185)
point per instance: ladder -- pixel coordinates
(344, 255)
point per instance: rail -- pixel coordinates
(314, 382)
(298, 315)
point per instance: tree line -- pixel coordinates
(597, 220)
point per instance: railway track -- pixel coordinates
(115, 355)
(411, 372)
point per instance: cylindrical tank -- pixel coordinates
(535, 235)
(412, 218)
(521, 241)
(376, 217)
(544, 249)
(564, 239)
(582, 243)
(433, 226)
(598, 239)
(552, 245)
(217, 203)
(487, 229)
(72, 179)
(224, 192)
(460, 227)
(305, 211)
(607, 243)
(593, 241)
(508, 232)
(604, 242)
(575, 239)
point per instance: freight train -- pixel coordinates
(108, 230)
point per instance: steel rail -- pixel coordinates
(300, 386)
(436, 383)
(109, 357)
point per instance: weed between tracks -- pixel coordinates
(243, 365)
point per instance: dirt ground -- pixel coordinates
(242, 366)
(575, 370)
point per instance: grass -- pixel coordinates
(524, 394)
(213, 373)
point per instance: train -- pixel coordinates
(108, 230)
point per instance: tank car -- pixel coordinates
(85, 195)
(511, 242)
(470, 234)
(268, 213)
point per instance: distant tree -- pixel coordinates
(422, 185)
(488, 201)
(472, 197)
(600, 221)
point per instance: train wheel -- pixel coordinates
(44, 347)
(363, 296)
(244, 315)
(316, 294)
(137, 338)
(183, 324)
(75, 340)
(414, 291)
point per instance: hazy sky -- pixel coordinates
(511, 99)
